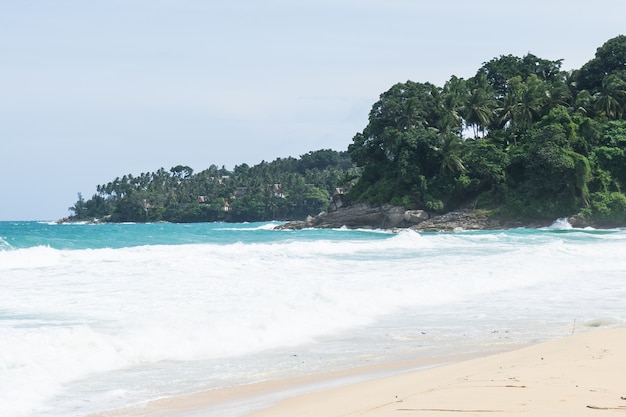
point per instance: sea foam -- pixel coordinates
(120, 325)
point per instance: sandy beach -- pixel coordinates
(578, 375)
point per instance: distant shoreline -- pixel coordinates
(389, 217)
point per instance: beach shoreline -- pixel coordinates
(95, 323)
(576, 374)
(241, 400)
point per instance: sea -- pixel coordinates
(98, 317)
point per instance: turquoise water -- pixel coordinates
(96, 317)
(20, 235)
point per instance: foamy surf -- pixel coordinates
(105, 316)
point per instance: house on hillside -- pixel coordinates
(276, 190)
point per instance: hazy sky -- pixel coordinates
(93, 90)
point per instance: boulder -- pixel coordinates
(579, 222)
(415, 216)
(455, 221)
(393, 216)
(357, 216)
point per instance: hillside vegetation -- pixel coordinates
(520, 139)
(282, 189)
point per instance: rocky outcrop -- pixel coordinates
(358, 216)
(366, 216)
(580, 222)
(460, 220)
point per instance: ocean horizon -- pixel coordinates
(96, 317)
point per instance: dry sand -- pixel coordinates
(580, 375)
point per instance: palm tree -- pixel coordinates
(523, 102)
(583, 102)
(450, 146)
(451, 99)
(610, 98)
(527, 109)
(531, 99)
(560, 94)
(506, 110)
(480, 106)
(409, 116)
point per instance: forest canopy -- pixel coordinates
(282, 189)
(522, 138)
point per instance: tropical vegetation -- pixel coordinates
(282, 189)
(522, 138)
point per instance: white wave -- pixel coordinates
(39, 256)
(36, 361)
(4, 245)
(362, 230)
(72, 314)
(560, 224)
(264, 226)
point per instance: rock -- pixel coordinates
(456, 221)
(415, 216)
(579, 222)
(358, 216)
(366, 216)
(393, 216)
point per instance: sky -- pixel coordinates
(93, 90)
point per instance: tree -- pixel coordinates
(485, 162)
(609, 58)
(182, 172)
(500, 70)
(611, 96)
(79, 207)
(404, 107)
(531, 97)
(523, 103)
(480, 105)
(450, 146)
(610, 155)
(545, 179)
(451, 99)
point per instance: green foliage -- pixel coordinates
(485, 162)
(248, 208)
(607, 208)
(94, 208)
(286, 188)
(546, 179)
(582, 175)
(542, 147)
(609, 58)
(544, 143)
(499, 71)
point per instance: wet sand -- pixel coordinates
(579, 375)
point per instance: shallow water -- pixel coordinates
(94, 317)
